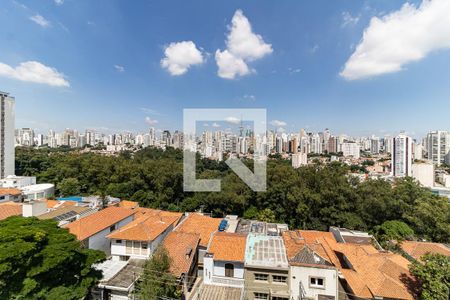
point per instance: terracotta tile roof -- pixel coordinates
(8, 209)
(419, 249)
(10, 191)
(128, 204)
(59, 203)
(91, 224)
(372, 273)
(228, 246)
(52, 203)
(145, 227)
(182, 248)
(203, 225)
(299, 242)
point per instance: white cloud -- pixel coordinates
(151, 111)
(250, 97)
(294, 70)
(40, 20)
(402, 37)
(233, 120)
(230, 66)
(278, 123)
(59, 2)
(314, 48)
(243, 46)
(348, 19)
(205, 125)
(215, 125)
(179, 57)
(150, 121)
(33, 71)
(119, 68)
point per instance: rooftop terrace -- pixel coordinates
(265, 251)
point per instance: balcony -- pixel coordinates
(227, 281)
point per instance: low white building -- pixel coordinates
(224, 261)
(34, 208)
(38, 191)
(13, 181)
(93, 229)
(350, 149)
(311, 272)
(119, 278)
(140, 238)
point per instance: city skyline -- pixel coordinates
(121, 69)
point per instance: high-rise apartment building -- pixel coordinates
(7, 116)
(350, 149)
(401, 156)
(438, 146)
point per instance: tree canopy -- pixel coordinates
(157, 281)
(433, 273)
(39, 260)
(311, 197)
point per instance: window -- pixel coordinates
(118, 241)
(261, 277)
(129, 248)
(316, 282)
(112, 228)
(279, 298)
(280, 279)
(261, 296)
(229, 270)
(144, 245)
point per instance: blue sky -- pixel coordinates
(98, 64)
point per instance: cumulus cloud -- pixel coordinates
(278, 123)
(180, 56)
(230, 66)
(40, 20)
(150, 121)
(399, 38)
(233, 120)
(215, 125)
(119, 68)
(243, 46)
(59, 2)
(33, 71)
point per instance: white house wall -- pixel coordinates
(99, 241)
(303, 274)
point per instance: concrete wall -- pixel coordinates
(303, 274)
(120, 249)
(424, 173)
(269, 287)
(219, 269)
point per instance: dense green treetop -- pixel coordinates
(433, 273)
(311, 197)
(39, 260)
(156, 281)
